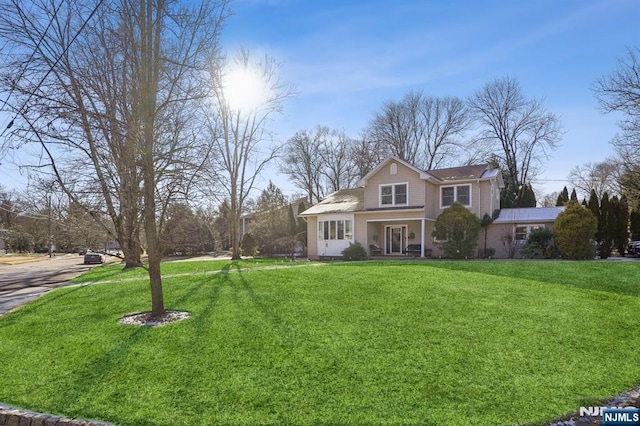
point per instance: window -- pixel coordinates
(394, 195)
(451, 194)
(386, 195)
(335, 230)
(521, 232)
(448, 195)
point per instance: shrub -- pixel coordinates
(573, 232)
(486, 253)
(248, 245)
(537, 243)
(457, 230)
(355, 251)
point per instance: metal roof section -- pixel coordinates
(528, 215)
(343, 201)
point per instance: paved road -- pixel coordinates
(21, 283)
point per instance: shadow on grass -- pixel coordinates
(94, 374)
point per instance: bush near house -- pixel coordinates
(457, 229)
(539, 244)
(355, 251)
(573, 232)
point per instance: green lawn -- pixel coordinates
(441, 343)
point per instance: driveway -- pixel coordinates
(22, 282)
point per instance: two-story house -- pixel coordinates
(395, 206)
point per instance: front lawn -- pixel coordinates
(440, 343)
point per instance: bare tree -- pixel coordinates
(422, 130)
(620, 92)
(247, 93)
(320, 162)
(112, 113)
(519, 131)
(366, 154)
(601, 177)
(339, 171)
(303, 161)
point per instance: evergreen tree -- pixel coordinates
(605, 244)
(620, 223)
(302, 225)
(526, 196)
(563, 197)
(594, 206)
(508, 198)
(574, 195)
(634, 225)
(573, 232)
(458, 230)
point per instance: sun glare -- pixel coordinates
(244, 89)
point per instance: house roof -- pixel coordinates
(363, 181)
(346, 200)
(528, 215)
(477, 171)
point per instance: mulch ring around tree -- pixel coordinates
(145, 319)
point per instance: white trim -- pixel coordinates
(393, 194)
(423, 175)
(455, 194)
(419, 210)
(399, 219)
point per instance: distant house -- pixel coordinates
(393, 209)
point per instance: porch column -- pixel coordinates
(422, 237)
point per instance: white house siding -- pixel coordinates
(404, 175)
(331, 248)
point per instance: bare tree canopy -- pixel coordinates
(520, 133)
(422, 130)
(320, 162)
(620, 92)
(601, 177)
(247, 93)
(303, 162)
(108, 91)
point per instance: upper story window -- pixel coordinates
(394, 195)
(451, 194)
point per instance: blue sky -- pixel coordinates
(346, 58)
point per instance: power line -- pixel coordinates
(84, 24)
(35, 49)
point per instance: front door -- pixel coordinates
(395, 239)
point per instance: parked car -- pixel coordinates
(633, 248)
(93, 258)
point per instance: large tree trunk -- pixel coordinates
(149, 70)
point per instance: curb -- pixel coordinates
(10, 416)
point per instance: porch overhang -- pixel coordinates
(422, 221)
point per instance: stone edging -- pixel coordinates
(10, 416)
